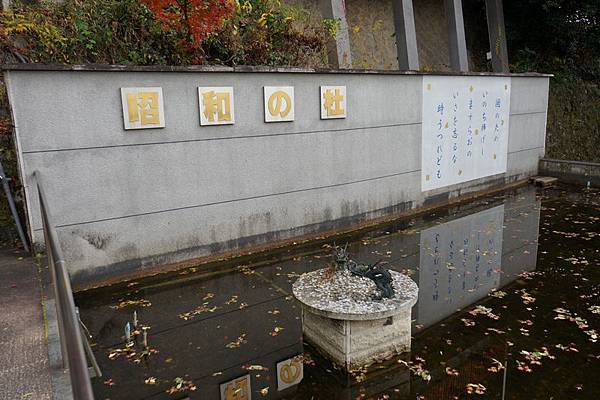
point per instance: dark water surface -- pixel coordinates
(509, 280)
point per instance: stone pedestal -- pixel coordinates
(352, 332)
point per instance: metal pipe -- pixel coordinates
(69, 326)
(13, 209)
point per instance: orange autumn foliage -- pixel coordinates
(192, 19)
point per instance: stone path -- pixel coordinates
(24, 366)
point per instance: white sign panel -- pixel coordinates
(289, 372)
(216, 105)
(333, 102)
(279, 103)
(465, 129)
(460, 262)
(142, 107)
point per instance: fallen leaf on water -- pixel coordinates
(125, 303)
(198, 310)
(276, 331)
(476, 388)
(255, 367)
(208, 296)
(237, 343)
(568, 348)
(181, 385)
(497, 366)
(482, 310)
(498, 293)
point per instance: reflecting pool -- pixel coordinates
(508, 309)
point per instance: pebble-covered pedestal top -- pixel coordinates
(342, 295)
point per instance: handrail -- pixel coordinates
(72, 347)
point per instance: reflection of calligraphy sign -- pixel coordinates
(333, 102)
(142, 108)
(216, 105)
(289, 372)
(279, 103)
(237, 389)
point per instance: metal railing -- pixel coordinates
(73, 349)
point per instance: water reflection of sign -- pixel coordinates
(333, 102)
(237, 389)
(279, 104)
(460, 263)
(142, 107)
(289, 372)
(465, 129)
(216, 105)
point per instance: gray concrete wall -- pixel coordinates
(124, 200)
(576, 172)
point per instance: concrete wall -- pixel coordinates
(123, 200)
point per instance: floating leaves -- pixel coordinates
(254, 367)
(532, 358)
(276, 331)
(204, 308)
(131, 354)
(126, 303)
(417, 368)
(245, 269)
(481, 310)
(181, 385)
(475, 388)
(496, 366)
(498, 294)
(569, 348)
(581, 323)
(468, 322)
(150, 380)
(237, 343)
(526, 297)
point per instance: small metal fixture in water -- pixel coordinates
(127, 333)
(375, 272)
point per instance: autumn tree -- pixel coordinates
(192, 19)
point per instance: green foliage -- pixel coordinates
(259, 32)
(573, 130)
(265, 32)
(89, 31)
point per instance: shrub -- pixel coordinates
(265, 32)
(191, 19)
(174, 32)
(89, 31)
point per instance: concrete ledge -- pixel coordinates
(245, 68)
(577, 172)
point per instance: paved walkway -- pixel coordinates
(24, 366)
